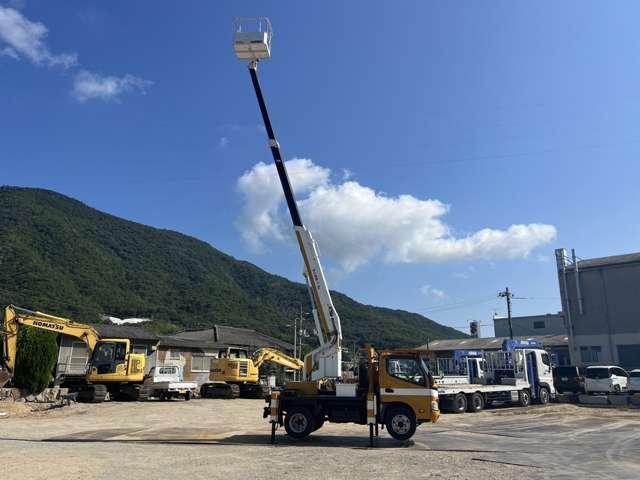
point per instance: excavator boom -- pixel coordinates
(271, 355)
(14, 317)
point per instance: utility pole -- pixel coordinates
(508, 295)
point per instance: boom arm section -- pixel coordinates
(14, 317)
(271, 355)
(326, 360)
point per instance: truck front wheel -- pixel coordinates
(524, 398)
(543, 395)
(401, 423)
(299, 422)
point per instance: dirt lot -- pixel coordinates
(228, 439)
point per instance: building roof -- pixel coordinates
(125, 331)
(223, 335)
(246, 336)
(554, 316)
(191, 343)
(605, 261)
(491, 343)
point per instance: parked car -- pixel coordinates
(569, 379)
(606, 379)
(634, 381)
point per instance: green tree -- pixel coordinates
(36, 359)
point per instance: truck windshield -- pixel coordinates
(635, 374)
(596, 373)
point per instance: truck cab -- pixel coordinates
(406, 383)
(529, 364)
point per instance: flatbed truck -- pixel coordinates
(518, 374)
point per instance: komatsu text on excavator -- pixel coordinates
(394, 387)
(113, 370)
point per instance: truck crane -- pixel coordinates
(113, 370)
(234, 374)
(394, 387)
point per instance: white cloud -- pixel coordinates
(464, 274)
(88, 85)
(223, 142)
(262, 194)
(354, 224)
(24, 38)
(429, 291)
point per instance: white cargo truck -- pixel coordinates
(517, 374)
(166, 382)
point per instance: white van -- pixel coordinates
(605, 379)
(634, 381)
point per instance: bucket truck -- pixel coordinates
(394, 387)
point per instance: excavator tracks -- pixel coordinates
(92, 393)
(220, 390)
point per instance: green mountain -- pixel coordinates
(60, 256)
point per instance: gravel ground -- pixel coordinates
(229, 439)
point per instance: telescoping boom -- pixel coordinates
(326, 360)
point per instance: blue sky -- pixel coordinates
(437, 120)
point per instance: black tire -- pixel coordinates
(475, 402)
(617, 390)
(187, 396)
(524, 398)
(543, 396)
(299, 422)
(318, 423)
(459, 403)
(401, 423)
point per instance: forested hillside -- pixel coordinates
(63, 257)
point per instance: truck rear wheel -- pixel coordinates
(459, 403)
(299, 422)
(476, 402)
(401, 423)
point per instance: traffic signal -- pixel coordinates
(473, 328)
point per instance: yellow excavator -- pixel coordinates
(113, 370)
(233, 374)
